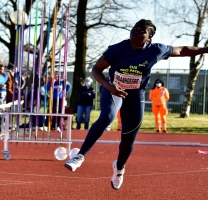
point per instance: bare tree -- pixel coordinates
(7, 28)
(191, 17)
(93, 15)
(85, 15)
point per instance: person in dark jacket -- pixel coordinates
(85, 103)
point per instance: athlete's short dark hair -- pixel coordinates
(146, 23)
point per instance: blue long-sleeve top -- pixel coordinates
(58, 93)
(3, 90)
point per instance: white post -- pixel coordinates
(6, 130)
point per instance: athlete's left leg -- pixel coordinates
(132, 111)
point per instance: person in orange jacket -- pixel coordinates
(159, 96)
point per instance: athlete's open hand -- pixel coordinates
(97, 72)
(117, 91)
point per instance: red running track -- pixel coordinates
(152, 172)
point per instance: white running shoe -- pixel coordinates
(117, 178)
(43, 128)
(2, 136)
(58, 129)
(74, 162)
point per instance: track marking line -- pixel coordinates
(11, 182)
(93, 178)
(167, 173)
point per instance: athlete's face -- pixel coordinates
(139, 35)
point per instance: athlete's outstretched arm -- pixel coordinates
(97, 72)
(188, 51)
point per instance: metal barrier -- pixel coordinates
(176, 80)
(5, 129)
(62, 153)
(23, 136)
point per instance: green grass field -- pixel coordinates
(194, 124)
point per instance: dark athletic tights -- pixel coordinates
(131, 110)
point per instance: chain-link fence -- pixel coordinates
(176, 81)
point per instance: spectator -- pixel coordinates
(5, 84)
(58, 92)
(43, 93)
(159, 96)
(85, 103)
(13, 82)
(34, 89)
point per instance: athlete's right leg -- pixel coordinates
(109, 105)
(132, 111)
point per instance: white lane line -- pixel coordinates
(15, 181)
(135, 175)
(167, 173)
(11, 182)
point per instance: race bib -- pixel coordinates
(125, 81)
